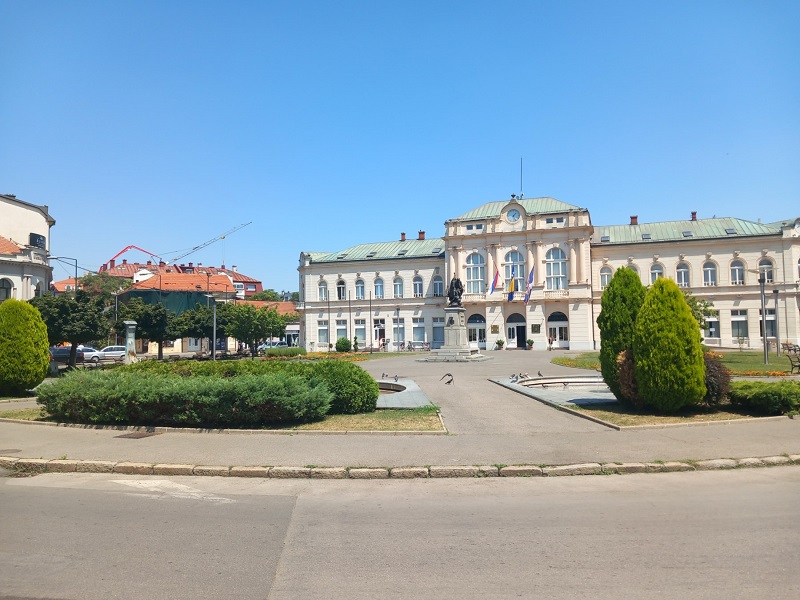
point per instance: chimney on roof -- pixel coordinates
(161, 263)
(111, 263)
(694, 215)
(190, 264)
(634, 219)
(235, 269)
(149, 262)
(124, 261)
(421, 235)
(223, 266)
(403, 236)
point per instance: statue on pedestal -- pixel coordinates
(454, 291)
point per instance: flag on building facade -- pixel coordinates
(512, 284)
(495, 280)
(530, 287)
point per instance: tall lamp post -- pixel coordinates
(762, 279)
(62, 258)
(777, 327)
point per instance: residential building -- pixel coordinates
(396, 291)
(24, 247)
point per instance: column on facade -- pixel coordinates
(458, 261)
(579, 260)
(539, 274)
(573, 261)
(530, 260)
(489, 265)
(451, 266)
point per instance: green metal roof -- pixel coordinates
(726, 227)
(428, 248)
(531, 205)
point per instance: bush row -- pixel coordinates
(354, 390)
(770, 398)
(171, 400)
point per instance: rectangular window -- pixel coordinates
(322, 332)
(770, 323)
(712, 326)
(709, 275)
(438, 332)
(549, 220)
(361, 331)
(398, 332)
(341, 328)
(560, 220)
(739, 324)
(469, 227)
(418, 332)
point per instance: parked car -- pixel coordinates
(90, 354)
(112, 353)
(61, 354)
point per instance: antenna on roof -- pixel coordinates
(520, 177)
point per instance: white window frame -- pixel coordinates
(556, 269)
(379, 288)
(476, 274)
(417, 286)
(360, 289)
(709, 274)
(397, 287)
(438, 287)
(322, 291)
(682, 275)
(605, 277)
(515, 260)
(737, 272)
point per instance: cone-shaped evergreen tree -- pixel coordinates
(667, 354)
(619, 304)
(24, 353)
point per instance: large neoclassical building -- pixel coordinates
(393, 292)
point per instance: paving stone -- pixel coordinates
(749, 462)
(795, 458)
(625, 468)
(328, 473)
(457, 471)
(579, 469)
(8, 462)
(289, 472)
(62, 466)
(211, 471)
(714, 464)
(775, 460)
(368, 473)
(95, 466)
(168, 469)
(31, 465)
(521, 471)
(409, 473)
(677, 466)
(249, 471)
(133, 468)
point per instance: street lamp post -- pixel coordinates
(76, 268)
(762, 279)
(777, 326)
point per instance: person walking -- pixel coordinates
(550, 343)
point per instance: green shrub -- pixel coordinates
(626, 378)
(667, 354)
(343, 345)
(24, 351)
(172, 400)
(620, 304)
(354, 390)
(718, 380)
(766, 397)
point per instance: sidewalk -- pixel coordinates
(487, 425)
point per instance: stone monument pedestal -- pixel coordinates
(456, 347)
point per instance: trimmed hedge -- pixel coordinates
(24, 352)
(172, 400)
(354, 390)
(766, 397)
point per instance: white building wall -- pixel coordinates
(29, 269)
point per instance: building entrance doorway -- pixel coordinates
(558, 329)
(515, 331)
(476, 331)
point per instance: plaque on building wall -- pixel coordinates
(537, 328)
(495, 328)
(38, 241)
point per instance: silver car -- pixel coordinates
(89, 354)
(111, 353)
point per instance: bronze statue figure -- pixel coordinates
(454, 291)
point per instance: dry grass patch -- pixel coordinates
(25, 414)
(622, 416)
(419, 419)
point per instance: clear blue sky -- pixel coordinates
(165, 124)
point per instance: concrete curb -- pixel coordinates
(35, 466)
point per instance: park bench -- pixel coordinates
(792, 352)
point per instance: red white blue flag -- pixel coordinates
(495, 280)
(529, 289)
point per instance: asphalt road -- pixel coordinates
(700, 535)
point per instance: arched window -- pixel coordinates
(709, 274)
(398, 287)
(605, 277)
(417, 283)
(379, 288)
(656, 271)
(476, 274)
(515, 264)
(765, 268)
(5, 289)
(341, 293)
(556, 263)
(737, 273)
(438, 286)
(359, 289)
(682, 275)
(323, 291)
(633, 268)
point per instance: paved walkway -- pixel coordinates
(487, 424)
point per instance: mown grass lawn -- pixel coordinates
(418, 419)
(740, 363)
(620, 415)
